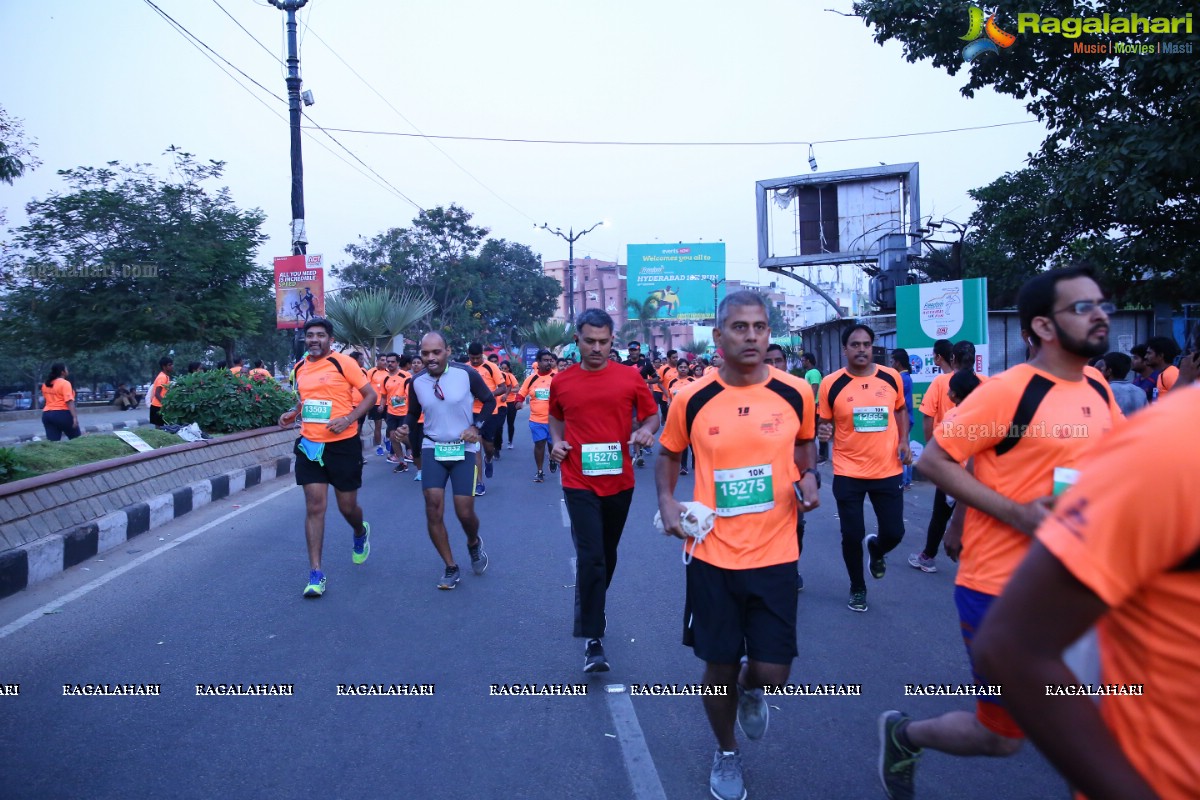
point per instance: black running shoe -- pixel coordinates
(593, 657)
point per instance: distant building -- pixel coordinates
(598, 284)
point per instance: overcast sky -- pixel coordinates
(103, 80)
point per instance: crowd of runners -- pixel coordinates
(1059, 493)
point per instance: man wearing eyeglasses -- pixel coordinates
(446, 393)
(1028, 430)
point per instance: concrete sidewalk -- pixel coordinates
(13, 431)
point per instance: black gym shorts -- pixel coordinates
(729, 613)
(342, 469)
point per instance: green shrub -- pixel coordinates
(221, 402)
(10, 468)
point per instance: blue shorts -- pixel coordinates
(989, 710)
(539, 431)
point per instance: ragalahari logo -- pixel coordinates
(983, 37)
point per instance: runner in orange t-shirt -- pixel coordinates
(751, 429)
(536, 390)
(490, 373)
(158, 390)
(935, 403)
(376, 376)
(862, 410)
(328, 451)
(1131, 568)
(394, 402)
(1028, 430)
(59, 417)
(512, 403)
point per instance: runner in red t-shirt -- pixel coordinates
(591, 424)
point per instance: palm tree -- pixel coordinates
(642, 314)
(367, 319)
(696, 347)
(548, 335)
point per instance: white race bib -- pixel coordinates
(316, 411)
(602, 459)
(870, 419)
(748, 490)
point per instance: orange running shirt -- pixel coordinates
(260, 372)
(1129, 531)
(57, 395)
(1166, 379)
(163, 380)
(743, 439)
(865, 434)
(536, 390)
(395, 393)
(377, 376)
(1068, 421)
(235, 371)
(936, 401)
(491, 376)
(326, 394)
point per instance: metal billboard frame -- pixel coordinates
(907, 173)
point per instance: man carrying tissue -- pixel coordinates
(751, 431)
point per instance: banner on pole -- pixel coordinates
(299, 290)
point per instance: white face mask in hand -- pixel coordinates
(697, 521)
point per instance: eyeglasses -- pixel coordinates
(1085, 307)
(437, 389)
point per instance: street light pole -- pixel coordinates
(715, 284)
(299, 235)
(571, 237)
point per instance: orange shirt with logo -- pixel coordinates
(163, 380)
(394, 396)
(328, 394)
(536, 390)
(866, 436)
(1069, 420)
(743, 439)
(1129, 531)
(57, 395)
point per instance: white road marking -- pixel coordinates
(643, 775)
(54, 605)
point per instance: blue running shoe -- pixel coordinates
(316, 584)
(488, 469)
(362, 544)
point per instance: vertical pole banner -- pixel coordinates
(926, 312)
(299, 290)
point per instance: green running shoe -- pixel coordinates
(362, 544)
(316, 584)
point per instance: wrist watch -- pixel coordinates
(815, 474)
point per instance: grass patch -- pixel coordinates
(38, 458)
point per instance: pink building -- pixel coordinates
(598, 284)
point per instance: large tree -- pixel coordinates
(1117, 180)
(483, 288)
(124, 254)
(16, 152)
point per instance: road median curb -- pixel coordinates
(48, 556)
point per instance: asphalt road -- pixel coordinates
(215, 598)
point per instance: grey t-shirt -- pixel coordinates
(446, 419)
(1129, 397)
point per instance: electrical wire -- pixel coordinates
(200, 46)
(681, 144)
(413, 125)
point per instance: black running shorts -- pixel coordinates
(462, 475)
(730, 613)
(342, 465)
